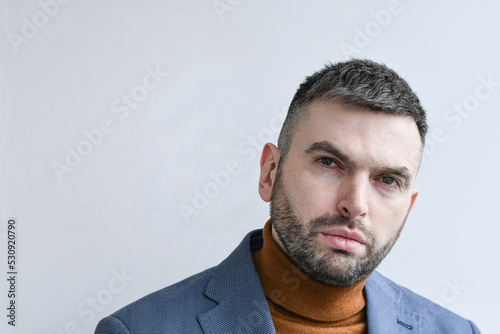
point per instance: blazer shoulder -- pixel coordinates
(434, 315)
(175, 306)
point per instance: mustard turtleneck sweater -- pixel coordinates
(299, 304)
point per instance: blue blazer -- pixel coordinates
(229, 298)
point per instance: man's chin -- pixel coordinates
(340, 268)
(341, 256)
(341, 280)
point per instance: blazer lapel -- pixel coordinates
(385, 313)
(236, 286)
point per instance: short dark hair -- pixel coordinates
(356, 82)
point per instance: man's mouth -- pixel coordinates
(342, 239)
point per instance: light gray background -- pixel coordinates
(231, 74)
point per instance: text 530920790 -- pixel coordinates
(11, 271)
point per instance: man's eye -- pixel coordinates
(390, 181)
(327, 161)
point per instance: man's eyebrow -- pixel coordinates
(325, 146)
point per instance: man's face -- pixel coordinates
(340, 200)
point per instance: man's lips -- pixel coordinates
(342, 239)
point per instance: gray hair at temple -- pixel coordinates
(357, 83)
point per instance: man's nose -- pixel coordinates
(353, 197)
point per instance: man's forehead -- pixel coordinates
(362, 134)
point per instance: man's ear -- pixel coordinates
(268, 168)
(413, 199)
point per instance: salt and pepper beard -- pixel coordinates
(300, 242)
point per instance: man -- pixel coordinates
(341, 185)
